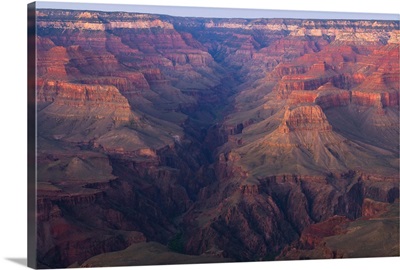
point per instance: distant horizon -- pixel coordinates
(212, 12)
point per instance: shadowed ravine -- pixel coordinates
(194, 140)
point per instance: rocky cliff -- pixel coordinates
(234, 139)
(333, 238)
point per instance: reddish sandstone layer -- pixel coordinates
(302, 118)
(76, 100)
(52, 62)
(376, 91)
(334, 238)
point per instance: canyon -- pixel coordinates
(214, 140)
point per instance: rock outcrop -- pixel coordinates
(302, 118)
(333, 238)
(68, 100)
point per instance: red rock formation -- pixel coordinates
(375, 92)
(313, 235)
(375, 99)
(326, 96)
(128, 83)
(373, 208)
(307, 81)
(330, 97)
(290, 47)
(76, 100)
(154, 76)
(301, 96)
(52, 63)
(284, 69)
(302, 118)
(334, 238)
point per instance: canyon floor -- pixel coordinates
(184, 140)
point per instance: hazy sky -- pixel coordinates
(218, 12)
